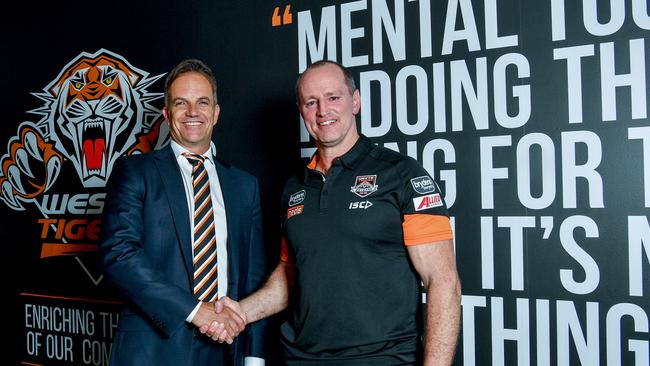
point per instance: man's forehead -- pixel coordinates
(324, 88)
(325, 71)
(323, 84)
(189, 97)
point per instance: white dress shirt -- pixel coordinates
(220, 222)
(218, 209)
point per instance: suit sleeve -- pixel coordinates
(125, 257)
(257, 271)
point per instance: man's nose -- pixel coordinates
(191, 109)
(322, 109)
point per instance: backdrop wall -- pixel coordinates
(532, 116)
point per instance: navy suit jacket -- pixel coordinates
(147, 254)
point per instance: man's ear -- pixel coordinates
(356, 102)
(217, 110)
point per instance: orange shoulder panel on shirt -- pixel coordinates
(422, 229)
(284, 251)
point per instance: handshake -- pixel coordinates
(221, 320)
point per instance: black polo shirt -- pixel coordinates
(356, 298)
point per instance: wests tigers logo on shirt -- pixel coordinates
(364, 185)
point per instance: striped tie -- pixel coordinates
(205, 245)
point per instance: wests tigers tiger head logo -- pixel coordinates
(97, 110)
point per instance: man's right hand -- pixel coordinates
(219, 331)
(220, 319)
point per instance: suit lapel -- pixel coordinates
(229, 190)
(173, 184)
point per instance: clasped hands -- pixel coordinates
(222, 320)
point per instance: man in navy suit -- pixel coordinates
(148, 234)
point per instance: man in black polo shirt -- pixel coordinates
(363, 227)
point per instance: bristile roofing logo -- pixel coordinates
(96, 110)
(297, 198)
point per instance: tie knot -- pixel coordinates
(194, 159)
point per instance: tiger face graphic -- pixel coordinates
(97, 109)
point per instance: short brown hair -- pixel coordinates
(190, 65)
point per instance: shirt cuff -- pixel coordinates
(191, 316)
(253, 361)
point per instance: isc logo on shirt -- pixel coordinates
(364, 205)
(428, 201)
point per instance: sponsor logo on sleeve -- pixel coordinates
(293, 211)
(364, 185)
(423, 184)
(428, 201)
(297, 198)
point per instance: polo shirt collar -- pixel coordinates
(354, 156)
(351, 158)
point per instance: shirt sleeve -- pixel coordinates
(424, 213)
(284, 250)
(253, 361)
(422, 229)
(193, 313)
